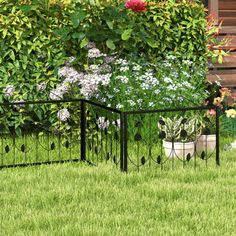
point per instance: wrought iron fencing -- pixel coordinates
(43, 132)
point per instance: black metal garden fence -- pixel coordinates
(44, 132)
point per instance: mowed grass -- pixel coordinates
(77, 199)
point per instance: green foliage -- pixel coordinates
(178, 27)
(30, 51)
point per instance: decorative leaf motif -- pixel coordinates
(116, 123)
(183, 133)
(114, 158)
(22, 148)
(162, 122)
(162, 135)
(137, 137)
(188, 158)
(159, 160)
(203, 154)
(53, 146)
(143, 160)
(138, 124)
(67, 144)
(7, 149)
(184, 120)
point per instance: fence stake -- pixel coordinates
(123, 142)
(217, 137)
(83, 131)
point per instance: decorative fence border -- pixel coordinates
(96, 142)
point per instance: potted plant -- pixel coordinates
(179, 135)
(207, 140)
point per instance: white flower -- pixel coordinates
(123, 79)
(151, 104)
(137, 67)
(94, 69)
(109, 59)
(94, 53)
(70, 60)
(59, 91)
(103, 123)
(42, 86)
(170, 57)
(187, 62)
(167, 80)
(119, 106)
(9, 90)
(124, 68)
(63, 114)
(116, 123)
(90, 83)
(131, 103)
(70, 74)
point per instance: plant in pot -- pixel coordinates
(206, 142)
(179, 135)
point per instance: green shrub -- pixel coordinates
(167, 26)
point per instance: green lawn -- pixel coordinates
(76, 199)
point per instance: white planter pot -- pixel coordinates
(206, 143)
(178, 149)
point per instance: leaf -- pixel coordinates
(12, 56)
(151, 43)
(84, 43)
(78, 35)
(126, 34)
(110, 24)
(77, 17)
(110, 44)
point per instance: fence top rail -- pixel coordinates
(108, 108)
(58, 102)
(171, 110)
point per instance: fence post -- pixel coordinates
(123, 142)
(217, 137)
(82, 130)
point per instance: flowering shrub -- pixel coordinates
(132, 84)
(136, 5)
